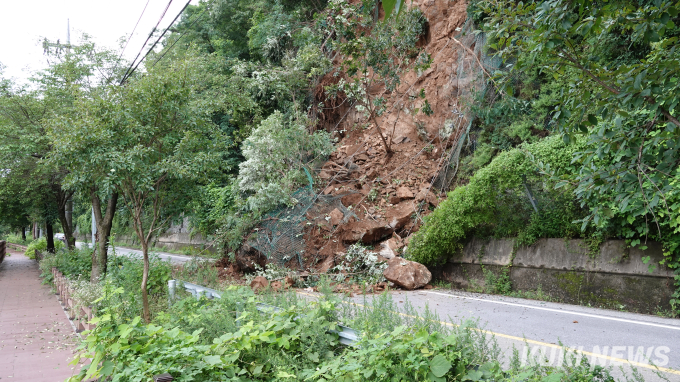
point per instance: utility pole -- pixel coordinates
(58, 46)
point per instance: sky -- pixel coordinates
(24, 24)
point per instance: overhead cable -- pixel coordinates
(154, 44)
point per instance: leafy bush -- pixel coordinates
(123, 272)
(126, 273)
(16, 239)
(283, 344)
(417, 356)
(232, 341)
(360, 265)
(74, 264)
(276, 154)
(41, 245)
(495, 203)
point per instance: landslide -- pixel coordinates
(387, 195)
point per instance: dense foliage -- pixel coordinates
(604, 78)
(231, 340)
(40, 245)
(495, 203)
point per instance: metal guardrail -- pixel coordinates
(348, 336)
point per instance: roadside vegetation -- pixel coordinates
(576, 135)
(229, 339)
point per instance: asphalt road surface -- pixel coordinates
(609, 338)
(122, 251)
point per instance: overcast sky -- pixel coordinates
(24, 23)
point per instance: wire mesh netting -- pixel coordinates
(280, 236)
(473, 67)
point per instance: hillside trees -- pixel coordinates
(625, 100)
(374, 53)
(605, 77)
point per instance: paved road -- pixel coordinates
(36, 337)
(604, 336)
(175, 259)
(619, 340)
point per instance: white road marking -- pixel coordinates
(561, 311)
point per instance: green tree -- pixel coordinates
(155, 145)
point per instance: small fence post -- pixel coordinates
(172, 284)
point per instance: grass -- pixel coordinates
(379, 315)
(16, 239)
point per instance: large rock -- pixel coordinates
(401, 215)
(376, 232)
(259, 283)
(427, 195)
(247, 257)
(336, 217)
(404, 193)
(368, 232)
(407, 274)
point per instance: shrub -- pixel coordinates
(232, 341)
(41, 245)
(16, 239)
(360, 265)
(263, 348)
(276, 154)
(495, 203)
(73, 264)
(126, 273)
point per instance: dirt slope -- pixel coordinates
(387, 195)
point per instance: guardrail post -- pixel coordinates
(172, 284)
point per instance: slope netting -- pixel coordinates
(280, 235)
(473, 67)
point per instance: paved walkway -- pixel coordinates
(36, 338)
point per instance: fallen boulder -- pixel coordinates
(404, 193)
(401, 215)
(336, 217)
(407, 274)
(247, 257)
(368, 232)
(259, 283)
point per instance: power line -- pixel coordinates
(147, 40)
(133, 30)
(127, 42)
(154, 44)
(180, 37)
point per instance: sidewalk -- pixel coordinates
(36, 338)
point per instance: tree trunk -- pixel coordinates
(35, 231)
(104, 223)
(50, 237)
(68, 234)
(63, 198)
(145, 278)
(23, 234)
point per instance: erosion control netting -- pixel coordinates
(470, 80)
(280, 236)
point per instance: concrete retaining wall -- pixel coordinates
(567, 270)
(177, 237)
